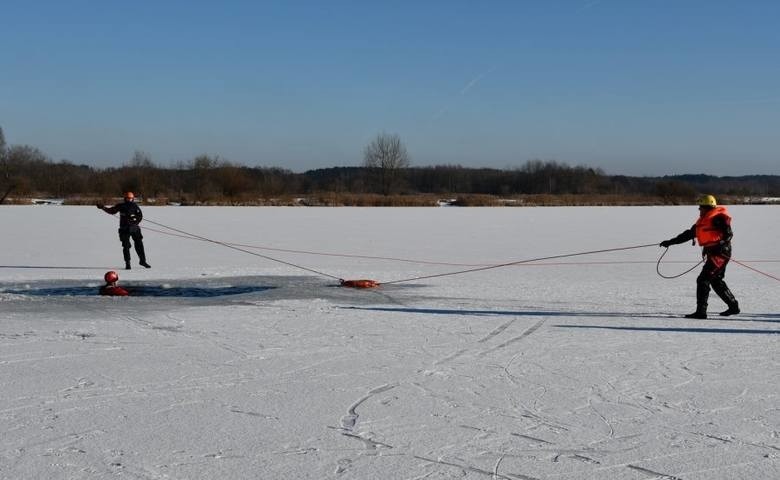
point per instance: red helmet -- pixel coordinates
(111, 277)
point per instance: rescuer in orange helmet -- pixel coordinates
(111, 288)
(129, 217)
(713, 232)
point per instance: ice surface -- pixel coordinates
(229, 365)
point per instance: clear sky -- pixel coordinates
(635, 87)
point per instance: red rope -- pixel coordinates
(756, 270)
(323, 254)
(192, 235)
(452, 264)
(489, 267)
(537, 262)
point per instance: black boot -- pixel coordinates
(139, 249)
(725, 294)
(702, 294)
(126, 256)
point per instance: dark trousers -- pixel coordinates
(134, 232)
(712, 276)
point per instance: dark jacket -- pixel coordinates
(129, 213)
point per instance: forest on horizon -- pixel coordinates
(27, 173)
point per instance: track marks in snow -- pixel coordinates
(574, 456)
(349, 420)
(611, 432)
(54, 357)
(692, 376)
(487, 338)
(497, 331)
(234, 409)
(653, 474)
(528, 437)
(85, 394)
(512, 340)
(468, 468)
(450, 357)
(172, 325)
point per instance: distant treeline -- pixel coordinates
(28, 173)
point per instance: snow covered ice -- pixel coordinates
(229, 365)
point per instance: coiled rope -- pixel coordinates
(658, 267)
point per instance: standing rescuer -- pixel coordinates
(713, 232)
(129, 217)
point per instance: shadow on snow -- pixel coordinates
(769, 318)
(47, 267)
(144, 291)
(673, 329)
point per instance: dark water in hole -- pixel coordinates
(72, 295)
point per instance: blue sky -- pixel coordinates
(650, 87)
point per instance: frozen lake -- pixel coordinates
(227, 364)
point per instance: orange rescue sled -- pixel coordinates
(359, 283)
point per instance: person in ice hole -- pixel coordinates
(111, 288)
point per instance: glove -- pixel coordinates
(665, 244)
(99, 205)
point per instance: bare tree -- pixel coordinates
(387, 156)
(141, 159)
(203, 167)
(6, 180)
(141, 175)
(2, 144)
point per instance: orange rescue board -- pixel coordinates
(359, 283)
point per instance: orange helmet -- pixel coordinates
(129, 196)
(111, 277)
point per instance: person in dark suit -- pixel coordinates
(130, 216)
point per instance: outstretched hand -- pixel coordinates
(665, 244)
(99, 205)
